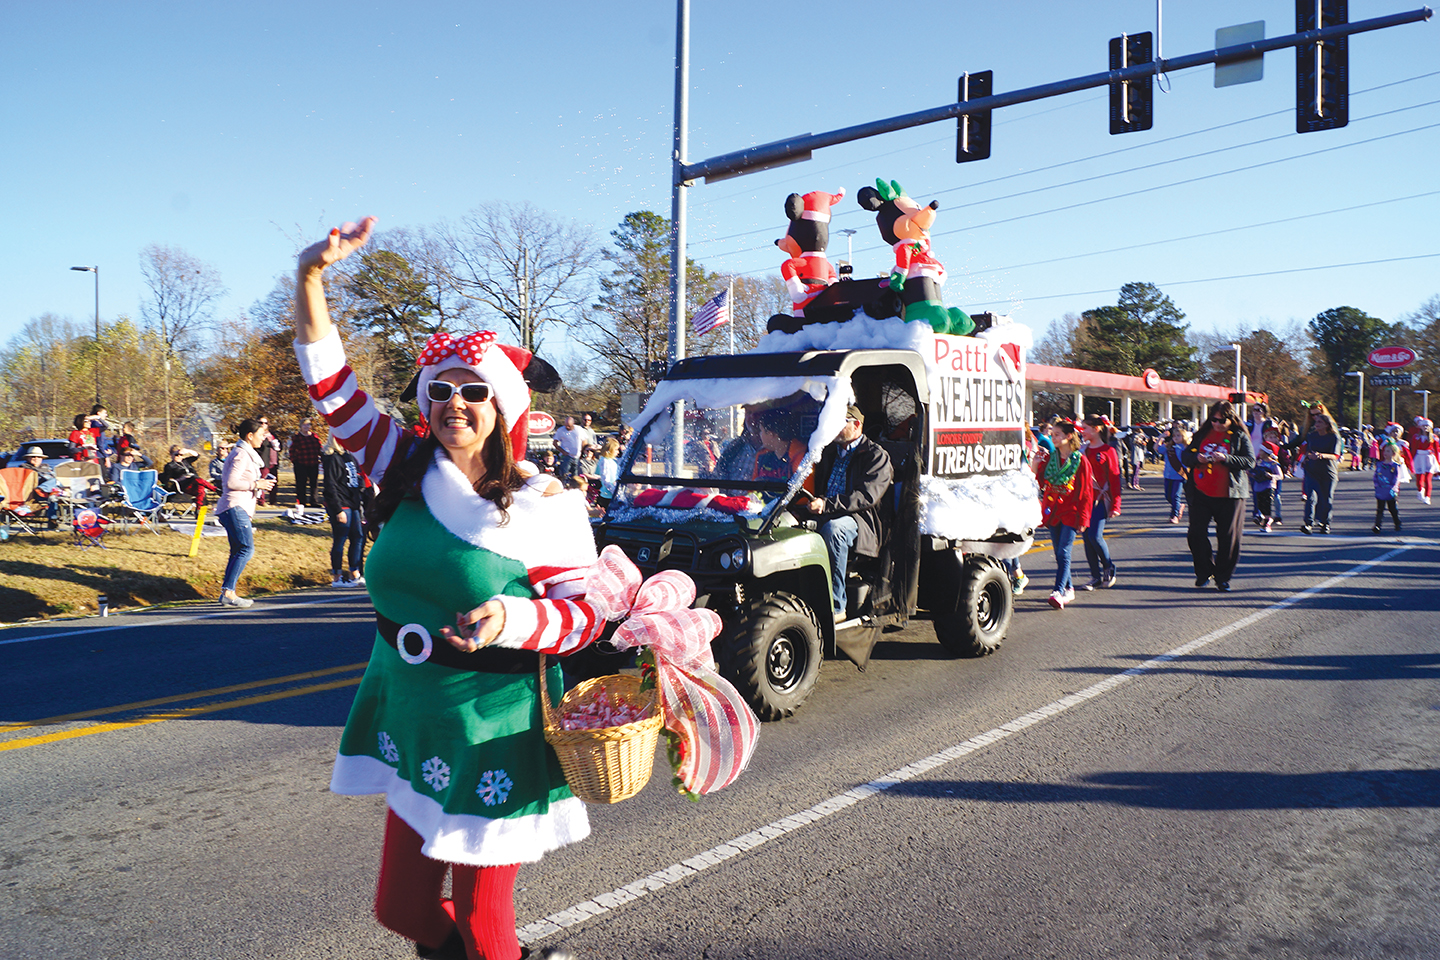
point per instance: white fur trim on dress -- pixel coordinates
(463, 838)
(321, 359)
(542, 531)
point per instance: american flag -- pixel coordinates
(715, 312)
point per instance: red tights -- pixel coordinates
(408, 898)
(1422, 483)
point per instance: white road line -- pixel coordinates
(146, 622)
(604, 902)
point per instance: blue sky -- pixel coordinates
(237, 131)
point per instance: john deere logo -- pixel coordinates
(644, 555)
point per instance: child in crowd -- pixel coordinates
(1422, 456)
(1387, 485)
(1264, 478)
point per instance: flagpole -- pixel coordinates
(730, 300)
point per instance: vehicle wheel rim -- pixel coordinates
(987, 610)
(785, 662)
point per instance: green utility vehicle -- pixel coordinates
(702, 494)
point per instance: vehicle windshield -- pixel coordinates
(737, 459)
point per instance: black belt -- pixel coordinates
(421, 647)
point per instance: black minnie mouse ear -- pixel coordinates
(412, 389)
(541, 377)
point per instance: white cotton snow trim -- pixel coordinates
(977, 508)
(863, 332)
(463, 838)
(323, 358)
(542, 531)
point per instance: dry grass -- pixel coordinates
(52, 577)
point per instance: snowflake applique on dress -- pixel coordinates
(388, 750)
(435, 772)
(495, 787)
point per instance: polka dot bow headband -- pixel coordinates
(470, 348)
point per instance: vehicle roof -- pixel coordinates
(817, 363)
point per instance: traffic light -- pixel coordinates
(1322, 68)
(972, 140)
(1132, 102)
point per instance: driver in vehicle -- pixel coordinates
(855, 473)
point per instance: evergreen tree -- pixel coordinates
(1143, 330)
(1344, 337)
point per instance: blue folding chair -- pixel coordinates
(142, 498)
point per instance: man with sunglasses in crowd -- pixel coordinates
(854, 473)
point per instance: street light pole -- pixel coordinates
(1359, 401)
(1238, 387)
(1426, 395)
(96, 271)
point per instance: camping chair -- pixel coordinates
(143, 498)
(80, 481)
(89, 527)
(16, 485)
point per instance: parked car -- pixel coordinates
(56, 452)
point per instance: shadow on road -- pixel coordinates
(1208, 790)
(1359, 666)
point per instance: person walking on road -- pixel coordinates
(1322, 472)
(1219, 457)
(243, 483)
(1175, 471)
(1105, 473)
(1387, 485)
(479, 571)
(1067, 497)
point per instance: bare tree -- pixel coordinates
(183, 294)
(756, 300)
(521, 263)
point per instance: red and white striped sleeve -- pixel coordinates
(552, 538)
(559, 621)
(354, 421)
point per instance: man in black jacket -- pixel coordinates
(855, 474)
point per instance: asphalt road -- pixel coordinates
(1158, 771)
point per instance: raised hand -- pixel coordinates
(341, 242)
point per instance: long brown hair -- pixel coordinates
(502, 478)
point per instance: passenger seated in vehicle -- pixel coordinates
(855, 474)
(780, 453)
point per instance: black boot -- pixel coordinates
(452, 949)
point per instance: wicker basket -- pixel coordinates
(613, 763)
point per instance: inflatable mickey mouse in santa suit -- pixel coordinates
(808, 271)
(479, 569)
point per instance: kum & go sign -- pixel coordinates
(1391, 358)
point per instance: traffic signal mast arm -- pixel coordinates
(782, 151)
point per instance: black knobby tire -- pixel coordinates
(773, 658)
(982, 614)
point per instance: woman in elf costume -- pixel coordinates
(1067, 495)
(478, 570)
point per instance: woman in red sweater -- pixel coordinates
(1066, 495)
(1105, 471)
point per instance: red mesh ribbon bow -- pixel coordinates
(715, 724)
(469, 348)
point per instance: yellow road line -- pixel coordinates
(217, 691)
(175, 714)
(1109, 534)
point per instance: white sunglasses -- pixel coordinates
(440, 391)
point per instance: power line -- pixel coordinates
(1099, 156)
(1198, 236)
(1238, 276)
